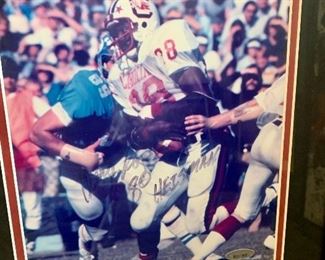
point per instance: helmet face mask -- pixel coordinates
(121, 35)
(128, 23)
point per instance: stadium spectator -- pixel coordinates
(216, 8)
(24, 107)
(10, 74)
(252, 50)
(276, 42)
(200, 23)
(203, 43)
(29, 49)
(9, 41)
(39, 14)
(71, 8)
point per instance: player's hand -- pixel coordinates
(195, 124)
(99, 157)
(87, 157)
(92, 160)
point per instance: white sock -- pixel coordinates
(210, 244)
(83, 234)
(179, 229)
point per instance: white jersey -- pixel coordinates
(272, 100)
(171, 48)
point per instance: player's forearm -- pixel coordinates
(46, 140)
(245, 112)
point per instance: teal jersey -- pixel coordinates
(87, 102)
(87, 94)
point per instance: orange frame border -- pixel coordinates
(292, 64)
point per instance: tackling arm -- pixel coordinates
(246, 111)
(43, 135)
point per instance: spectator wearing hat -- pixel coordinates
(39, 17)
(50, 89)
(29, 49)
(252, 49)
(203, 43)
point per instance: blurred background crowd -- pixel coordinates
(44, 43)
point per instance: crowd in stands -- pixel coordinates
(44, 43)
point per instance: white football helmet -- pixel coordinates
(129, 22)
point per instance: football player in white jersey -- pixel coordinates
(264, 161)
(159, 78)
(86, 192)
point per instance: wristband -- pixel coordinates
(85, 158)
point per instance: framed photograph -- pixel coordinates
(147, 129)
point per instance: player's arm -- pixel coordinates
(267, 101)
(246, 111)
(43, 132)
(43, 135)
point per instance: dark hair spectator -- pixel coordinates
(249, 11)
(81, 57)
(10, 73)
(276, 41)
(9, 42)
(71, 8)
